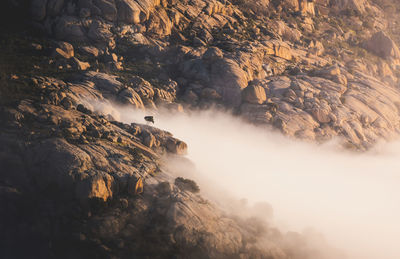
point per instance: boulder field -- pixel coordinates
(78, 183)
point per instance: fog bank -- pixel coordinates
(353, 199)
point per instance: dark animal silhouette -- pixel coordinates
(149, 119)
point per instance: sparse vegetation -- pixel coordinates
(187, 185)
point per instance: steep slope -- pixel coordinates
(311, 69)
(72, 177)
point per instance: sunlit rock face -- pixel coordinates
(354, 5)
(382, 45)
(82, 168)
(218, 46)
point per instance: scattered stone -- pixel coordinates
(37, 47)
(79, 65)
(89, 51)
(63, 50)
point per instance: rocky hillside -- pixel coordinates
(76, 183)
(313, 69)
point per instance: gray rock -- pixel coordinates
(176, 146)
(104, 82)
(90, 51)
(79, 65)
(129, 96)
(129, 12)
(100, 32)
(69, 28)
(107, 8)
(64, 50)
(213, 53)
(38, 9)
(382, 45)
(254, 94)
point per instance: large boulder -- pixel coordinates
(107, 8)
(257, 113)
(382, 45)
(130, 96)
(289, 34)
(55, 163)
(128, 11)
(100, 32)
(257, 7)
(176, 146)
(63, 50)
(358, 6)
(278, 48)
(69, 28)
(254, 94)
(229, 79)
(104, 82)
(307, 7)
(79, 65)
(159, 23)
(95, 187)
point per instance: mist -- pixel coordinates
(353, 199)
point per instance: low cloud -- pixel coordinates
(353, 199)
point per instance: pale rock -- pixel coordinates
(383, 46)
(213, 53)
(148, 139)
(257, 113)
(64, 50)
(279, 49)
(104, 82)
(321, 115)
(289, 34)
(79, 65)
(129, 95)
(161, 96)
(307, 7)
(159, 23)
(90, 51)
(355, 5)
(254, 94)
(95, 187)
(176, 146)
(229, 79)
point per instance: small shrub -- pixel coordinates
(187, 185)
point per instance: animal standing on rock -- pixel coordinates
(149, 119)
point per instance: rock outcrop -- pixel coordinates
(77, 183)
(383, 46)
